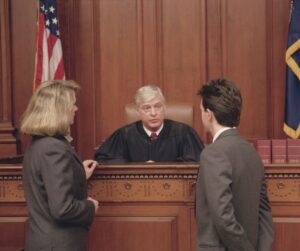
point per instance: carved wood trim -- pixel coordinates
(159, 182)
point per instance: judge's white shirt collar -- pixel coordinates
(157, 132)
(223, 129)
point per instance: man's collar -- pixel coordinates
(223, 129)
(157, 132)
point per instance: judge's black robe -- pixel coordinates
(176, 142)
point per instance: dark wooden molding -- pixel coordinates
(8, 142)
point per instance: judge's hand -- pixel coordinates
(95, 202)
(89, 167)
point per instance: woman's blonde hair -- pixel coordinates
(146, 93)
(49, 110)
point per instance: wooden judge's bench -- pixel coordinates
(149, 207)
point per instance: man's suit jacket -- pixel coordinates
(56, 194)
(232, 208)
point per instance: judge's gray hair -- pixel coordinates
(146, 93)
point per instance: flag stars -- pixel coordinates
(54, 20)
(51, 9)
(48, 9)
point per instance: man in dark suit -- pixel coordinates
(232, 209)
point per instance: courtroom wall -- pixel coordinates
(112, 47)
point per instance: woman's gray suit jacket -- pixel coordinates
(56, 194)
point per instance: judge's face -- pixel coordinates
(152, 113)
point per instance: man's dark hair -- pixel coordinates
(224, 99)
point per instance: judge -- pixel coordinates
(153, 138)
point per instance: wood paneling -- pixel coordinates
(182, 48)
(278, 31)
(120, 59)
(160, 226)
(285, 229)
(245, 35)
(23, 19)
(112, 47)
(13, 231)
(151, 233)
(178, 45)
(8, 142)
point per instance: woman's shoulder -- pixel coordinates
(46, 142)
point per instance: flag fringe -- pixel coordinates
(289, 59)
(294, 134)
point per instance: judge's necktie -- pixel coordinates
(153, 136)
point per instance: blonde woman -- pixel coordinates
(54, 178)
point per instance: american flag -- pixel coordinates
(49, 56)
